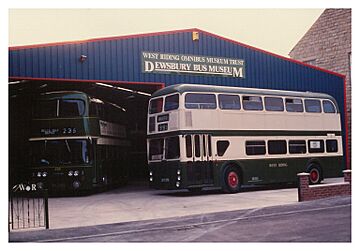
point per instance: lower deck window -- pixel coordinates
(297, 146)
(316, 146)
(188, 146)
(61, 152)
(255, 147)
(222, 146)
(277, 146)
(197, 145)
(331, 146)
(172, 148)
(156, 148)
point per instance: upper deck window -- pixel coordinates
(200, 101)
(253, 103)
(274, 104)
(294, 105)
(171, 102)
(46, 109)
(229, 102)
(328, 106)
(62, 108)
(156, 105)
(71, 108)
(312, 105)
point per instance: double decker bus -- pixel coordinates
(215, 136)
(78, 142)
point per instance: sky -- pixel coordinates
(274, 30)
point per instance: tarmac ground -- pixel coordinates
(325, 220)
(137, 204)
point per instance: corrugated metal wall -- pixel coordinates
(119, 59)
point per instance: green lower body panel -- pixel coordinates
(179, 175)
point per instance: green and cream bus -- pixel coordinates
(216, 136)
(78, 142)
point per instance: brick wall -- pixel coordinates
(327, 44)
(312, 192)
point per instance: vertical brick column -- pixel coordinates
(347, 175)
(303, 185)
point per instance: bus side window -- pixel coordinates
(331, 146)
(229, 102)
(222, 146)
(204, 145)
(188, 146)
(312, 105)
(200, 101)
(277, 147)
(328, 107)
(252, 103)
(274, 104)
(297, 146)
(294, 105)
(209, 146)
(197, 145)
(255, 147)
(316, 146)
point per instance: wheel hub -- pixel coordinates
(314, 176)
(233, 179)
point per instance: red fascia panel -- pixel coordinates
(158, 85)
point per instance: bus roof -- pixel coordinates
(65, 94)
(182, 88)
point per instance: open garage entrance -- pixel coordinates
(133, 97)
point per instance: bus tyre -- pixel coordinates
(231, 180)
(314, 174)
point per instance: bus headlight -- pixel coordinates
(38, 174)
(150, 173)
(44, 174)
(178, 178)
(151, 178)
(177, 184)
(76, 173)
(70, 173)
(178, 172)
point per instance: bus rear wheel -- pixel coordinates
(231, 179)
(314, 174)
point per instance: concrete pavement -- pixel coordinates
(137, 203)
(325, 220)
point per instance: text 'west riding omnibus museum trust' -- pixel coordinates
(147, 62)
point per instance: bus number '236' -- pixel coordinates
(69, 130)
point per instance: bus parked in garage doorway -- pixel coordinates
(78, 142)
(215, 136)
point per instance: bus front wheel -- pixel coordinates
(231, 179)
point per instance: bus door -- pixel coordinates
(202, 159)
